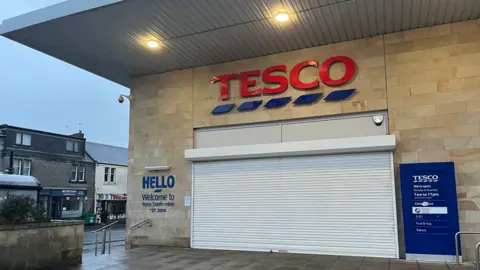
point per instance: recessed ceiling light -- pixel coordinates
(152, 43)
(281, 17)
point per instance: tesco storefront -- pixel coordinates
(282, 185)
(365, 147)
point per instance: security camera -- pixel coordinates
(122, 97)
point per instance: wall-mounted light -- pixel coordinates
(157, 168)
(152, 44)
(377, 119)
(281, 17)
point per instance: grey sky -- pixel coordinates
(44, 93)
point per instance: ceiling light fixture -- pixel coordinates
(281, 17)
(152, 44)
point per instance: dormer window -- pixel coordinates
(72, 146)
(23, 139)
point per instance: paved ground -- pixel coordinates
(181, 259)
(118, 234)
(116, 246)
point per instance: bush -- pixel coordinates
(21, 209)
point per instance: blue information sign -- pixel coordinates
(430, 210)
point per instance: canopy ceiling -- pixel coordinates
(108, 37)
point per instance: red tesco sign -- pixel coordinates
(248, 78)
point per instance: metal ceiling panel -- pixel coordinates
(347, 21)
(110, 41)
(459, 6)
(362, 15)
(321, 24)
(371, 17)
(389, 18)
(475, 11)
(467, 10)
(442, 11)
(380, 16)
(331, 23)
(397, 15)
(406, 14)
(423, 16)
(432, 13)
(450, 11)
(301, 33)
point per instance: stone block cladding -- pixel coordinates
(428, 79)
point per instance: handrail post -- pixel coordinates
(109, 240)
(477, 247)
(103, 241)
(456, 248)
(96, 241)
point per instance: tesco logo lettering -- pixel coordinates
(425, 178)
(248, 79)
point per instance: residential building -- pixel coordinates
(58, 161)
(111, 171)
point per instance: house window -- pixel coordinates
(17, 166)
(109, 176)
(72, 146)
(81, 174)
(26, 165)
(73, 173)
(112, 175)
(78, 173)
(22, 166)
(107, 170)
(24, 139)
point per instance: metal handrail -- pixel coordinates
(106, 226)
(477, 247)
(104, 229)
(141, 223)
(457, 238)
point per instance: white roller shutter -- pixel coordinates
(330, 204)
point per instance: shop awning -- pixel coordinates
(19, 181)
(109, 37)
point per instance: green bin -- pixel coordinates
(90, 218)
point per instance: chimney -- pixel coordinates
(79, 134)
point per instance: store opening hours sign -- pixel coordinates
(156, 195)
(280, 79)
(430, 210)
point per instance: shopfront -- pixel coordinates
(114, 205)
(64, 203)
(287, 136)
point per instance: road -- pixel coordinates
(118, 234)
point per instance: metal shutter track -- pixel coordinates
(330, 204)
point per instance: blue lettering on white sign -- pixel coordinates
(430, 211)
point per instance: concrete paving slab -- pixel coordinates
(167, 258)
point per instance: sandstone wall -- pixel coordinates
(43, 245)
(428, 79)
(433, 93)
